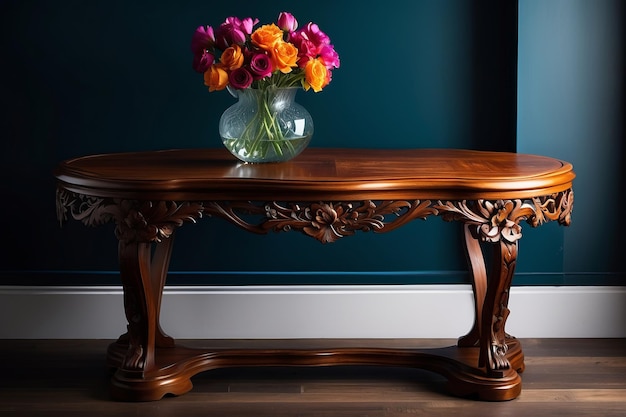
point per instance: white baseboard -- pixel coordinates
(406, 311)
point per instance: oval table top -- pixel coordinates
(316, 174)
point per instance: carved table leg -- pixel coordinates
(478, 274)
(143, 275)
(500, 356)
(493, 339)
(158, 275)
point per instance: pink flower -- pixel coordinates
(234, 31)
(306, 50)
(203, 38)
(313, 33)
(287, 22)
(202, 42)
(240, 78)
(261, 66)
(313, 43)
(247, 25)
(329, 56)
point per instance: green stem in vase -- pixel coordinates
(265, 125)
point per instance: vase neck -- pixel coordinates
(273, 96)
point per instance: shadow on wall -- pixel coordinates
(494, 76)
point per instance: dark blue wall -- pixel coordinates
(111, 76)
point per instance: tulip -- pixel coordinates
(202, 61)
(247, 25)
(234, 31)
(203, 38)
(287, 22)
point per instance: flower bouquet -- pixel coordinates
(263, 68)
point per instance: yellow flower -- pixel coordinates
(267, 36)
(315, 75)
(216, 78)
(284, 57)
(232, 58)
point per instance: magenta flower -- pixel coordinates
(287, 22)
(203, 38)
(312, 43)
(240, 78)
(247, 25)
(329, 56)
(313, 33)
(234, 31)
(261, 66)
(202, 61)
(306, 50)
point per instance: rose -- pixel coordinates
(232, 57)
(285, 57)
(240, 78)
(261, 66)
(316, 75)
(267, 36)
(216, 78)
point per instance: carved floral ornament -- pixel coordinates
(325, 221)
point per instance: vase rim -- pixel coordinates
(234, 91)
(230, 88)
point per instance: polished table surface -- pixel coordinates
(318, 173)
(327, 194)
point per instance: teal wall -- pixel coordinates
(571, 106)
(111, 76)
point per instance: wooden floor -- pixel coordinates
(564, 377)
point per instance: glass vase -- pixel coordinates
(266, 125)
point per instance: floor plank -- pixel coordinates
(563, 377)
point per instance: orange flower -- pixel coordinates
(267, 36)
(216, 78)
(284, 57)
(315, 75)
(232, 58)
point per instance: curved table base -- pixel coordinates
(175, 366)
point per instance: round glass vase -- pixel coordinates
(266, 125)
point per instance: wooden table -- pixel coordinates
(327, 194)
